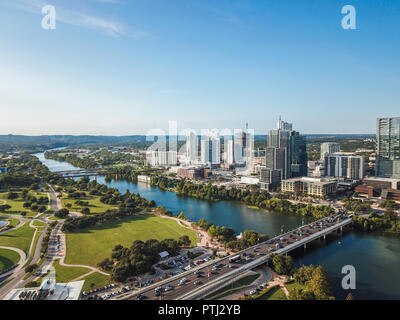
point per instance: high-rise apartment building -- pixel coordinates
(243, 147)
(388, 148)
(191, 147)
(344, 165)
(328, 148)
(210, 149)
(229, 152)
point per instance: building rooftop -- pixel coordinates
(321, 181)
(49, 290)
(382, 179)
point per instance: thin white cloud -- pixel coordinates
(75, 18)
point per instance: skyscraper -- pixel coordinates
(286, 152)
(229, 152)
(210, 149)
(243, 147)
(328, 148)
(191, 147)
(344, 165)
(388, 148)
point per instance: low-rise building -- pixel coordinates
(249, 180)
(382, 183)
(365, 190)
(191, 172)
(49, 290)
(310, 186)
(143, 178)
(390, 194)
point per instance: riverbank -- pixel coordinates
(375, 257)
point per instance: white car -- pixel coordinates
(253, 292)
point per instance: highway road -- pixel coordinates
(200, 276)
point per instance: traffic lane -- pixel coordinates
(188, 286)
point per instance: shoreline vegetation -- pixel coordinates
(253, 199)
(256, 200)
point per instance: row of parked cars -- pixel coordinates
(107, 287)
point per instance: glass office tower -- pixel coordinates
(388, 148)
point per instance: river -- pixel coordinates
(375, 257)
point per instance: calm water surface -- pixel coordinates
(375, 257)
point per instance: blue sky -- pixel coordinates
(124, 67)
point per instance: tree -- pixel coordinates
(320, 284)
(4, 207)
(184, 240)
(12, 195)
(86, 210)
(105, 264)
(281, 264)
(62, 213)
(350, 296)
(30, 268)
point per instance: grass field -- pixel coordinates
(17, 204)
(38, 223)
(95, 205)
(20, 238)
(274, 294)
(90, 246)
(8, 258)
(65, 274)
(95, 280)
(291, 286)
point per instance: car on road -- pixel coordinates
(197, 282)
(252, 292)
(168, 287)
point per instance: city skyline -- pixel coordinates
(121, 68)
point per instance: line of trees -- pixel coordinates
(137, 259)
(260, 199)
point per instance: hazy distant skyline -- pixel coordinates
(119, 67)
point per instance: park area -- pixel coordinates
(17, 203)
(93, 203)
(20, 238)
(91, 245)
(8, 258)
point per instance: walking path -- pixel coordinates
(21, 262)
(204, 239)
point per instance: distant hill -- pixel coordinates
(12, 143)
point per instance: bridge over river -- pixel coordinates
(84, 172)
(209, 280)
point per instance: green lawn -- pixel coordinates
(95, 205)
(35, 241)
(275, 293)
(90, 246)
(65, 274)
(8, 258)
(17, 204)
(95, 280)
(20, 238)
(38, 223)
(291, 286)
(13, 222)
